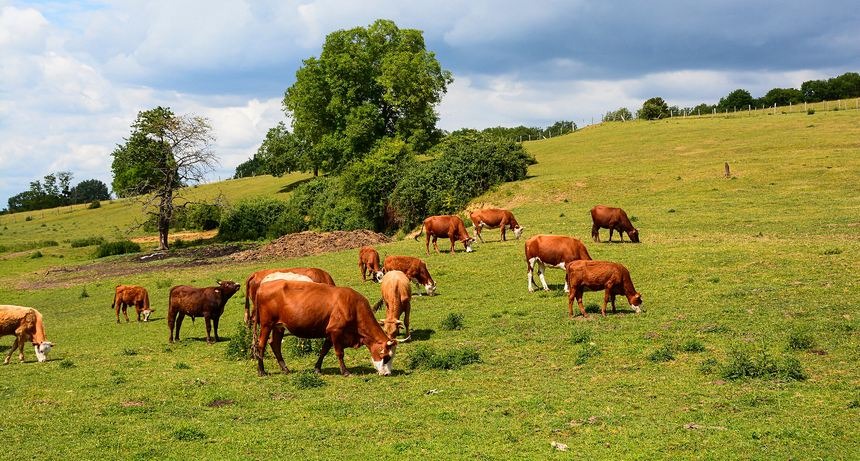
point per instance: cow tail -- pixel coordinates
(115, 296)
(247, 301)
(421, 231)
(378, 305)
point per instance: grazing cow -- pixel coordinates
(26, 324)
(414, 268)
(131, 295)
(312, 310)
(397, 296)
(449, 226)
(553, 251)
(493, 218)
(253, 282)
(198, 302)
(615, 219)
(368, 262)
(600, 275)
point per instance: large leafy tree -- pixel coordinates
(736, 100)
(653, 109)
(89, 190)
(163, 152)
(367, 84)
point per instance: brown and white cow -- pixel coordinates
(615, 219)
(397, 296)
(494, 218)
(26, 324)
(253, 282)
(131, 295)
(414, 268)
(553, 251)
(194, 302)
(447, 226)
(368, 262)
(611, 277)
(312, 310)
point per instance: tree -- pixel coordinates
(653, 109)
(368, 84)
(782, 97)
(164, 152)
(620, 115)
(281, 152)
(89, 190)
(736, 100)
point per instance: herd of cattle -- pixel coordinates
(306, 302)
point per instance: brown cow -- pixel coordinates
(615, 219)
(414, 268)
(368, 262)
(600, 275)
(199, 302)
(397, 296)
(252, 283)
(493, 218)
(131, 295)
(553, 251)
(26, 324)
(312, 310)
(449, 226)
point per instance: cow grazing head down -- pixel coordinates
(468, 244)
(146, 313)
(518, 231)
(431, 289)
(382, 356)
(377, 276)
(634, 235)
(42, 350)
(636, 302)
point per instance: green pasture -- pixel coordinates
(737, 265)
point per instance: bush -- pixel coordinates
(800, 341)
(86, 242)
(251, 219)
(810, 111)
(94, 204)
(454, 321)
(307, 380)
(36, 254)
(239, 347)
(300, 347)
(743, 364)
(119, 247)
(426, 357)
(665, 353)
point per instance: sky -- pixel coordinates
(74, 74)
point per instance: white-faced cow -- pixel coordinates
(194, 302)
(414, 268)
(554, 251)
(397, 296)
(253, 282)
(26, 324)
(615, 219)
(368, 262)
(312, 310)
(447, 226)
(494, 218)
(132, 295)
(611, 277)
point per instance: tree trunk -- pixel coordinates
(316, 171)
(165, 214)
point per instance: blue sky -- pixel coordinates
(73, 75)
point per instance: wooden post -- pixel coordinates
(728, 173)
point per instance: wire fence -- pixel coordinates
(749, 111)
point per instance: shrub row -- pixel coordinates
(116, 248)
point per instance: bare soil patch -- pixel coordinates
(311, 243)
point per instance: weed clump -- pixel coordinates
(664, 353)
(94, 204)
(182, 366)
(832, 251)
(454, 321)
(164, 283)
(36, 255)
(129, 352)
(692, 345)
(800, 341)
(239, 347)
(84, 294)
(743, 364)
(119, 247)
(300, 347)
(580, 335)
(307, 380)
(189, 434)
(586, 352)
(66, 363)
(426, 357)
(86, 242)
(810, 111)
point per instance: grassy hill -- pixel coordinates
(763, 265)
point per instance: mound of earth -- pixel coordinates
(311, 243)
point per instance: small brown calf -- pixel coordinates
(600, 275)
(397, 296)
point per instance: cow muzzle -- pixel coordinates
(42, 351)
(518, 231)
(146, 313)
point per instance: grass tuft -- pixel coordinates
(189, 434)
(692, 345)
(84, 293)
(86, 242)
(182, 366)
(587, 351)
(128, 351)
(453, 321)
(426, 357)
(300, 347)
(163, 283)
(744, 364)
(832, 251)
(664, 353)
(66, 363)
(239, 347)
(119, 247)
(580, 335)
(800, 341)
(307, 380)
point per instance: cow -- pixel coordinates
(449, 226)
(131, 295)
(368, 262)
(414, 268)
(600, 275)
(493, 218)
(553, 251)
(397, 296)
(312, 310)
(194, 302)
(253, 282)
(615, 219)
(26, 324)
(290, 276)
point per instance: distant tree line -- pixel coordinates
(55, 190)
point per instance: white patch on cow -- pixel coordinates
(543, 281)
(638, 308)
(518, 231)
(42, 350)
(288, 276)
(430, 289)
(529, 278)
(146, 314)
(379, 276)
(560, 265)
(566, 288)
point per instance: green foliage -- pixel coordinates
(116, 248)
(653, 109)
(782, 97)
(307, 380)
(86, 242)
(129, 352)
(844, 86)
(692, 345)
(423, 356)
(453, 321)
(35, 254)
(281, 152)
(664, 353)
(251, 219)
(585, 352)
(189, 434)
(800, 341)
(90, 190)
(239, 347)
(301, 347)
(832, 251)
(745, 364)
(139, 162)
(182, 366)
(94, 204)
(738, 99)
(580, 335)
(84, 293)
(621, 115)
(66, 364)
(322, 204)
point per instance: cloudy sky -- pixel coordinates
(73, 75)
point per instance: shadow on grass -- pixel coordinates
(293, 185)
(421, 335)
(360, 370)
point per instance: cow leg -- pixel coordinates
(117, 313)
(138, 307)
(171, 321)
(595, 233)
(578, 296)
(261, 348)
(179, 319)
(277, 340)
(125, 311)
(326, 346)
(606, 297)
(530, 274)
(427, 243)
(436, 243)
(453, 241)
(406, 319)
(478, 233)
(215, 321)
(208, 321)
(21, 343)
(610, 233)
(363, 272)
(541, 270)
(621, 235)
(570, 301)
(338, 351)
(11, 351)
(504, 239)
(613, 303)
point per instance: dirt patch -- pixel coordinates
(218, 403)
(311, 243)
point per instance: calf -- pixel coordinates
(198, 302)
(449, 226)
(131, 295)
(600, 275)
(615, 219)
(414, 268)
(311, 310)
(397, 295)
(493, 218)
(26, 324)
(554, 251)
(368, 262)
(253, 282)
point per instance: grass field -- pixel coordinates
(763, 263)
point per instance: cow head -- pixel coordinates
(377, 276)
(468, 244)
(382, 355)
(42, 350)
(634, 236)
(146, 313)
(431, 288)
(228, 288)
(518, 231)
(636, 302)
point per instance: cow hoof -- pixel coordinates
(546, 289)
(318, 371)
